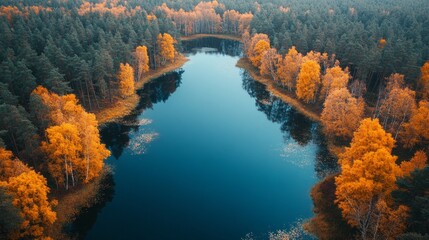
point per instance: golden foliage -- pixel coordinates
(288, 68)
(142, 61)
(382, 43)
(258, 51)
(71, 126)
(10, 166)
(369, 137)
(62, 147)
(341, 114)
(308, 81)
(418, 161)
(30, 196)
(417, 129)
(166, 49)
(335, 78)
(397, 109)
(249, 46)
(368, 176)
(269, 63)
(126, 80)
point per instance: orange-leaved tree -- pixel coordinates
(126, 80)
(417, 129)
(308, 81)
(258, 51)
(166, 49)
(367, 179)
(65, 109)
(10, 166)
(93, 151)
(63, 147)
(30, 195)
(397, 108)
(269, 63)
(288, 68)
(142, 61)
(341, 114)
(334, 78)
(249, 45)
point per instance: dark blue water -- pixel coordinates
(208, 154)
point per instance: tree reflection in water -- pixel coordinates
(88, 216)
(294, 125)
(220, 46)
(116, 135)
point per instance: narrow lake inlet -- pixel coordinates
(207, 154)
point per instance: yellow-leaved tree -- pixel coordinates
(417, 129)
(126, 80)
(341, 114)
(89, 153)
(63, 147)
(269, 63)
(288, 68)
(334, 78)
(258, 51)
(30, 195)
(166, 49)
(368, 176)
(142, 61)
(308, 81)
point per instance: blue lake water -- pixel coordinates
(207, 154)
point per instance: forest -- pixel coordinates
(360, 68)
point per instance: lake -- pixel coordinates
(207, 154)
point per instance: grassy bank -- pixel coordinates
(221, 36)
(311, 111)
(72, 202)
(123, 107)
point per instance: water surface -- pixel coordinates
(208, 154)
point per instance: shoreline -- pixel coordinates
(123, 107)
(305, 109)
(206, 35)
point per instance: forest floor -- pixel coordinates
(123, 107)
(221, 36)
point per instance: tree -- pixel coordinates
(30, 194)
(413, 192)
(166, 49)
(367, 179)
(288, 68)
(93, 151)
(334, 78)
(63, 148)
(258, 51)
(126, 80)
(397, 109)
(418, 161)
(363, 188)
(341, 114)
(369, 137)
(10, 219)
(249, 47)
(142, 61)
(10, 166)
(424, 80)
(308, 81)
(417, 129)
(269, 63)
